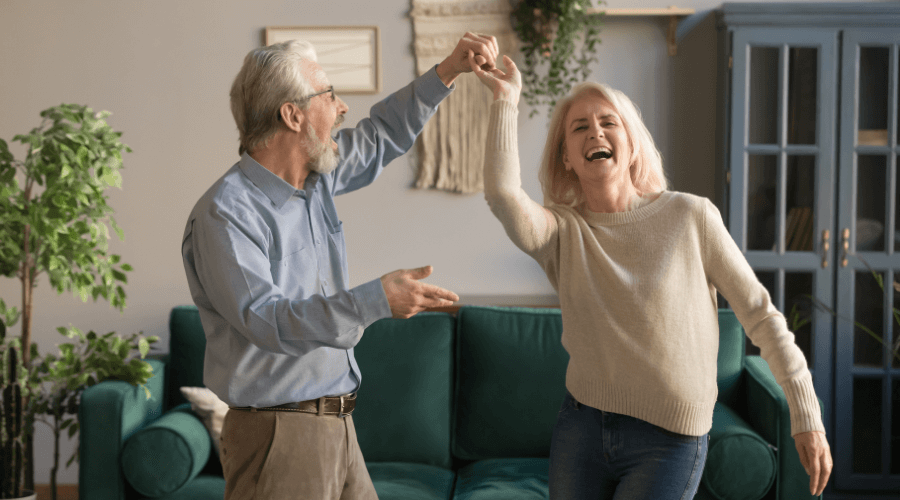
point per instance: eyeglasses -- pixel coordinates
(306, 98)
(329, 89)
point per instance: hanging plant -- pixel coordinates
(549, 30)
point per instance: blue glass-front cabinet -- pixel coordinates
(810, 102)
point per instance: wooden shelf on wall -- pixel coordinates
(674, 14)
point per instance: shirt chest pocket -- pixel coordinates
(336, 235)
(296, 272)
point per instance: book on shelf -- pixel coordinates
(798, 235)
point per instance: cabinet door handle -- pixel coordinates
(826, 245)
(845, 244)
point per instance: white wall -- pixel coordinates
(164, 69)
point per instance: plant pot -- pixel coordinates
(29, 495)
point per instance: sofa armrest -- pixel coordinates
(768, 414)
(110, 412)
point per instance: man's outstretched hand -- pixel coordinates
(483, 47)
(407, 295)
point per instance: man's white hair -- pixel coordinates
(270, 77)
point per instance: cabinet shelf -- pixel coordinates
(873, 138)
(674, 14)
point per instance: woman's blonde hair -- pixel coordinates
(270, 77)
(561, 186)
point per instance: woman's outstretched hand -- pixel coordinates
(506, 86)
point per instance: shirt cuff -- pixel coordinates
(430, 89)
(371, 301)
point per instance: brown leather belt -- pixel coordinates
(340, 406)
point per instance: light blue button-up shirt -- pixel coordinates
(267, 265)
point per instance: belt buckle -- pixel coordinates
(341, 413)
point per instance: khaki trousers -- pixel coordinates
(275, 455)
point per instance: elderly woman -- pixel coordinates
(637, 268)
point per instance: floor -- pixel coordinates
(64, 491)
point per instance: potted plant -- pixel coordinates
(54, 220)
(549, 30)
(15, 389)
(87, 361)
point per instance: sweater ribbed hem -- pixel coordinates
(803, 405)
(502, 127)
(670, 414)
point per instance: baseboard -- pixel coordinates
(64, 491)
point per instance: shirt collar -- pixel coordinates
(274, 187)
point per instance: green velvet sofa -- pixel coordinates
(452, 406)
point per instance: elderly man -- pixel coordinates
(265, 259)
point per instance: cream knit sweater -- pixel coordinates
(637, 291)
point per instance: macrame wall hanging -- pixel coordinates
(451, 148)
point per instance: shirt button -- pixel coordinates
(318, 242)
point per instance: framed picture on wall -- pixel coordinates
(350, 55)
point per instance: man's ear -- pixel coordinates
(292, 117)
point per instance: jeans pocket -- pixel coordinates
(569, 404)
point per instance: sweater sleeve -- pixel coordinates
(731, 274)
(529, 225)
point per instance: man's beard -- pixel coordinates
(322, 157)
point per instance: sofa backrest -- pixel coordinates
(403, 406)
(510, 378)
(509, 383)
(731, 356)
(187, 347)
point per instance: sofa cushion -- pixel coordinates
(187, 348)
(403, 408)
(504, 479)
(510, 381)
(406, 481)
(731, 356)
(166, 454)
(740, 464)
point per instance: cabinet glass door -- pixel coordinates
(867, 364)
(781, 160)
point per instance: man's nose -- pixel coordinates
(342, 106)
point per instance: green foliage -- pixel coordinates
(86, 361)
(8, 317)
(549, 30)
(74, 155)
(54, 219)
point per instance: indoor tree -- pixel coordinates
(54, 221)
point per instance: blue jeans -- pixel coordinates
(602, 455)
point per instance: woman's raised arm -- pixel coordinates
(529, 225)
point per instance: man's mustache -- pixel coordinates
(338, 121)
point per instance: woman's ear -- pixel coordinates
(565, 158)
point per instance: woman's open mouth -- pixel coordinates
(599, 154)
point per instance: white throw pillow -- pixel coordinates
(209, 408)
